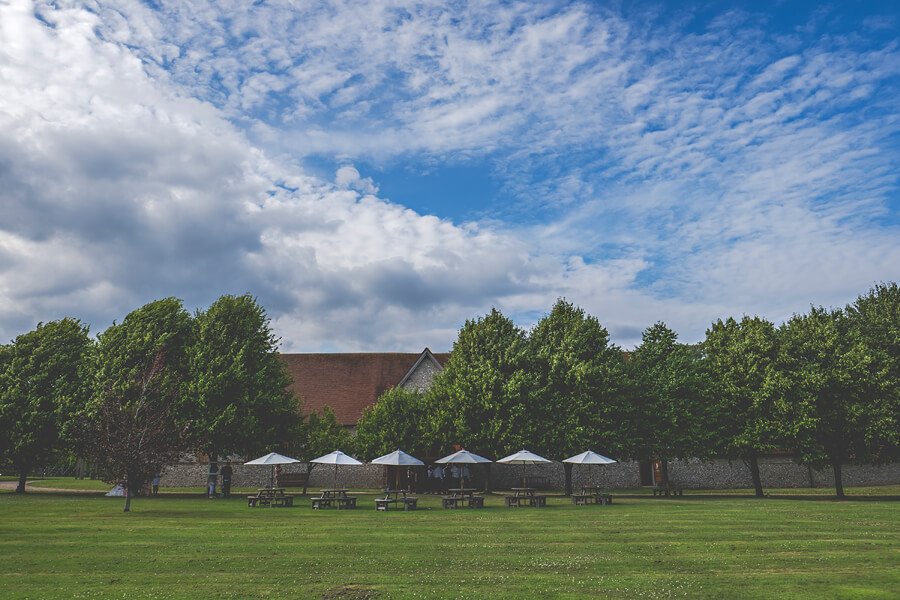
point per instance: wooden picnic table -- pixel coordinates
(463, 496)
(270, 497)
(525, 497)
(334, 498)
(592, 494)
(396, 497)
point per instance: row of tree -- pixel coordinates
(160, 383)
(825, 386)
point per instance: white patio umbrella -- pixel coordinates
(272, 458)
(463, 457)
(398, 458)
(336, 458)
(523, 457)
(589, 458)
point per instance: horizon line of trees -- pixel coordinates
(825, 385)
(159, 384)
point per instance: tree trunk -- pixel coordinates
(309, 468)
(753, 464)
(20, 487)
(568, 470)
(127, 499)
(487, 479)
(838, 481)
(664, 472)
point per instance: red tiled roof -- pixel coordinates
(347, 383)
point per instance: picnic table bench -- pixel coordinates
(591, 495)
(668, 489)
(469, 501)
(334, 499)
(270, 497)
(462, 496)
(396, 498)
(525, 497)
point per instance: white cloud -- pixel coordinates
(675, 176)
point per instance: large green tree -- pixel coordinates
(670, 406)
(238, 402)
(748, 394)
(395, 421)
(481, 398)
(322, 434)
(131, 432)
(45, 378)
(127, 351)
(874, 320)
(133, 426)
(577, 385)
(841, 399)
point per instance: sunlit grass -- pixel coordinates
(69, 546)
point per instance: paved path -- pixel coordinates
(30, 485)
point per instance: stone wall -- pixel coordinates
(420, 379)
(193, 475)
(776, 472)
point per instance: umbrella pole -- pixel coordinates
(524, 479)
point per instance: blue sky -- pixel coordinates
(376, 174)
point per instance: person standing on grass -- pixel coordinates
(445, 479)
(211, 477)
(155, 484)
(227, 471)
(277, 475)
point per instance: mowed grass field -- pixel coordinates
(60, 545)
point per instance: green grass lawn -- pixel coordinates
(59, 545)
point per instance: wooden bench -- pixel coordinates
(384, 503)
(270, 501)
(668, 489)
(451, 501)
(476, 502)
(318, 503)
(296, 480)
(600, 498)
(408, 503)
(346, 502)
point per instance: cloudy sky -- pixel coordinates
(377, 172)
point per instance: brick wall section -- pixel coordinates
(349, 383)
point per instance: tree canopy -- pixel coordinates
(238, 401)
(840, 400)
(481, 398)
(395, 421)
(44, 381)
(741, 358)
(670, 406)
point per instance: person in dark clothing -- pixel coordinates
(227, 471)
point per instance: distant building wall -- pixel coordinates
(776, 472)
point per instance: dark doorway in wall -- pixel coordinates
(646, 468)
